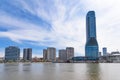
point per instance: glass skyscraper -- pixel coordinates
(91, 47)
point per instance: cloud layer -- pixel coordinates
(58, 23)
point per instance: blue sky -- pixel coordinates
(57, 23)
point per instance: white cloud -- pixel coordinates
(68, 24)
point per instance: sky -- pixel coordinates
(39, 24)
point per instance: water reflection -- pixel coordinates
(93, 71)
(11, 67)
(59, 71)
(10, 70)
(26, 67)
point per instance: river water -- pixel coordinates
(60, 71)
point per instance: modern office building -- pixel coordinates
(62, 55)
(91, 47)
(51, 54)
(44, 54)
(27, 54)
(12, 53)
(104, 51)
(70, 52)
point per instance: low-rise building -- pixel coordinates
(113, 57)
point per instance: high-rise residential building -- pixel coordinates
(91, 47)
(27, 54)
(62, 55)
(12, 53)
(70, 52)
(104, 51)
(45, 54)
(51, 54)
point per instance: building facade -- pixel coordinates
(91, 47)
(12, 53)
(27, 54)
(51, 54)
(70, 52)
(99, 54)
(62, 55)
(44, 54)
(104, 51)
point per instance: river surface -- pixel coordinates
(60, 71)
